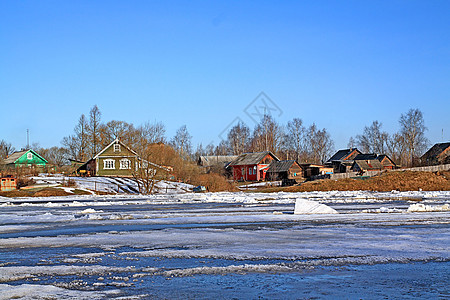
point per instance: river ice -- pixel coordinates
(225, 245)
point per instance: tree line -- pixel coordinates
(293, 140)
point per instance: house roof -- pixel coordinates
(280, 166)
(16, 155)
(211, 160)
(385, 163)
(116, 141)
(367, 165)
(252, 158)
(436, 150)
(342, 154)
(365, 156)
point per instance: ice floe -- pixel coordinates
(303, 206)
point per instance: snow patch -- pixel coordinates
(419, 207)
(303, 206)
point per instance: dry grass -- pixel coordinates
(46, 192)
(385, 182)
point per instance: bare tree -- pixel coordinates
(268, 135)
(373, 139)
(56, 156)
(182, 142)
(319, 144)
(76, 145)
(238, 138)
(295, 137)
(6, 149)
(94, 130)
(412, 130)
(153, 132)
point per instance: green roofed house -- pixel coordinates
(25, 158)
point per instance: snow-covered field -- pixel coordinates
(226, 245)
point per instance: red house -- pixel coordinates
(252, 166)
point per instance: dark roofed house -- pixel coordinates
(437, 155)
(365, 156)
(288, 171)
(252, 166)
(342, 160)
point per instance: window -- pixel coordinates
(250, 171)
(116, 147)
(109, 164)
(29, 155)
(125, 164)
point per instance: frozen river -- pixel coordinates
(226, 245)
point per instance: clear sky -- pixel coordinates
(340, 64)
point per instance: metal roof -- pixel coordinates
(366, 156)
(436, 150)
(252, 158)
(16, 155)
(341, 154)
(366, 165)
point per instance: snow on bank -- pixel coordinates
(419, 207)
(35, 291)
(303, 206)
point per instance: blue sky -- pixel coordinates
(340, 64)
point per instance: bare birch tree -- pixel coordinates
(295, 137)
(412, 130)
(94, 131)
(238, 138)
(318, 144)
(373, 139)
(182, 142)
(6, 149)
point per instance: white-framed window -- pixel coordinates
(29, 155)
(125, 163)
(116, 147)
(109, 164)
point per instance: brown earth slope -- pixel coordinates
(385, 182)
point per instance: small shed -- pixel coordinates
(288, 171)
(8, 183)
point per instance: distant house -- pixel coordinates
(252, 166)
(216, 163)
(24, 158)
(437, 155)
(367, 165)
(311, 170)
(116, 159)
(387, 162)
(342, 161)
(288, 171)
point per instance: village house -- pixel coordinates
(288, 171)
(252, 166)
(116, 160)
(217, 163)
(363, 165)
(439, 154)
(342, 160)
(311, 171)
(24, 159)
(386, 162)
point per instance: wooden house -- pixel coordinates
(367, 165)
(439, 154)
(24, 159)
(252, 166)
(312, 170)
(342, 160)
(386, 162)
(217, 163)
(288, 171)
(116, 159)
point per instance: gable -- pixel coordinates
(116, 149)
(28, 157)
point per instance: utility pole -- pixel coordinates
(28, 139)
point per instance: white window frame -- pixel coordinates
(116, 147)
(29, 155)
(125, 164)
(109, 164)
